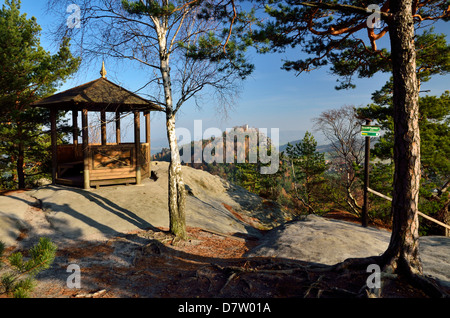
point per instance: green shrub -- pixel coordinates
(17, 278)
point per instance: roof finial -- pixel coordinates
(103, 70)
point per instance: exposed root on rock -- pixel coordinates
(393, 272)
(151, 264)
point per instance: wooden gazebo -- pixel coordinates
(90, 164)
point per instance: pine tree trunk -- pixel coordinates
(403, 253)
(20, 159)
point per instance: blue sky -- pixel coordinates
(270, 98)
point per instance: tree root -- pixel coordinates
(346, 279)
(428, 285)
(230, 278)
(316, 284)
(392, 272)
(356, 263)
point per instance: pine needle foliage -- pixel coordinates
(17, 279)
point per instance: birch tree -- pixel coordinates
(187, 50)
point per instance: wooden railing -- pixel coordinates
(447, 227)
(104, 162)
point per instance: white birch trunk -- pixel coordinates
(177, 196)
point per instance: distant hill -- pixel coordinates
(164, 154)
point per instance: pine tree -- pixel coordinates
(28, 73)
(308, 167)
(433, 58)
(249, 177)
(338, 32)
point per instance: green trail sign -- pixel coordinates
(370, 131)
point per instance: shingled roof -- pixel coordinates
(100, 94)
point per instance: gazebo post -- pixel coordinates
(75, 131)
(75, 127)
(103, 126)
(84, 124)
(53, 112)
(118, 127)
(137, 145)
(147, 139)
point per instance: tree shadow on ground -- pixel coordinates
(150, 263)
(146, 264)
(111, 207)
(105, 204)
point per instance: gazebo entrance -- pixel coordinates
(88, 164)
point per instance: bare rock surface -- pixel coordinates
(76, 214)
(326, 241)
(74, 217)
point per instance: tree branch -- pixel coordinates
(231, 26)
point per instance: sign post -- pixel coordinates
(367, 131)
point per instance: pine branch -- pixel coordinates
(42, 255)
